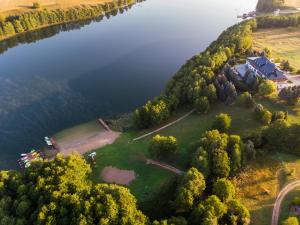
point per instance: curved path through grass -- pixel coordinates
(165, 126)
(164, 166)
(279, 199)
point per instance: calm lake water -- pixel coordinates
(65, 75)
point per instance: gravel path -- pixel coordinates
(164, 166)
(279, 199)
(164, 127)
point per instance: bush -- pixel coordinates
(280, 115)
(266, 88)
(246, 99)
(222, 122)
(290, 221)
(262, 114)
(224, 189)
(202, 105)
(2, 19)
(266, 118)
(36, 5)
(249, 152)
(162, 146)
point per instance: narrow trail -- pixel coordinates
(165, 126)
(279, 199)
(164, 166)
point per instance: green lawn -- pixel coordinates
(275, 104)
(126, 154)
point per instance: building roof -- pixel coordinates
(266, 68)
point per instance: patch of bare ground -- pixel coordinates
(117, 176)
(86, 144)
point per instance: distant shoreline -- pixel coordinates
(13, 24)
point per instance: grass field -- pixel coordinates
(284, 43)
(129, 155)
(259, 184)
(275, 104)
(293, 3)
(9, 7)
(257, 187)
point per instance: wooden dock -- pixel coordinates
(101, 121)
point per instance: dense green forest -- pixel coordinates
(33, 20)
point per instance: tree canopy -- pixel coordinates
(58, 192)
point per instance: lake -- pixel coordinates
(57, 77)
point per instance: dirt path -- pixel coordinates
(164, 127)
(164, 166)
(279, 199)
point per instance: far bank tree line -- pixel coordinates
(13, 25)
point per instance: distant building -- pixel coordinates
(261, 67)
(277, 12)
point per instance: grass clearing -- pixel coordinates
(258, 185)
(284, 43)
(274, 103)
(129, 155)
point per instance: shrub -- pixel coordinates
(280, 115)
(2, 19)
(224, 189)
(290, 221)
(246, 99)
(249, 152)
(202, 104)
(36, 5)
(262, 114)
(267, 117)
(266, 88)
(222, 122)
(162, 146)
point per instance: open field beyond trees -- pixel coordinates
(18, 6)
(293, 3)
(284, 43)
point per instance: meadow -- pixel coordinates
(129, 155)
(257, 185)
(284, 43)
